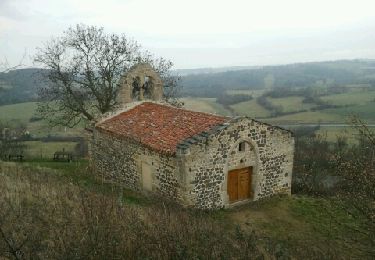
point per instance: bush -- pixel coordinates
(322, 168)
(305, 131)
(35, 119)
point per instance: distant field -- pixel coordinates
(207, 105)
(366, 111)
(359, 87)
(254, 93)
(45, 150)
(308, 117)
(41, 128)
(332, 133)
(351, 98)
(250, 108)
(358, 102)
(291, 104)
(21, 112)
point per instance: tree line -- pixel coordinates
(329, 74)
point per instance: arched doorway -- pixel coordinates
(241, 176)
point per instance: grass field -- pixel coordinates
(250, 108)
(208, 105)
(21, 112)
(299, 222)
(16, 114)
(41, 129)
(285, 227)
(366, 111)
(351, 98)
(291, 104)
(356, 101)
(45, 150)
(255, 93)
(308, 117)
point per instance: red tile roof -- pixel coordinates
(160, 127)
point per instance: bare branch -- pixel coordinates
(84, 67)
(357, 123)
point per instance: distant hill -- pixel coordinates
(21, 85)
(330, 73)
(185, 72)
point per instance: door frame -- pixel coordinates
(255, 178)
(249, 170)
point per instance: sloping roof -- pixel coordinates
(160, 127)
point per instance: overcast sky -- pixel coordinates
(203, 33)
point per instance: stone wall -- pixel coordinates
(120, 161)
(197, 175)
(269, 150)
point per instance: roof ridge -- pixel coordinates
(127, 107)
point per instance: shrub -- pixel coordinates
(347, 171)
(35, 119)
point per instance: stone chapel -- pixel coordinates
(197, 159)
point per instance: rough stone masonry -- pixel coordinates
(198, 159)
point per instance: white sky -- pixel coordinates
(203, 33)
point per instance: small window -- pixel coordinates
(242, 147)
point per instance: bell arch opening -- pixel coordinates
(148, 88)
(139, 83)
(136, 88)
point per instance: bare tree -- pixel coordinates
(83, 70)
(6, 67)
(357, 123)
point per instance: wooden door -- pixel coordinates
(233, 185)
(239, 184)
(244, 183)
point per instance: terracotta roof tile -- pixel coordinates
(160, 127)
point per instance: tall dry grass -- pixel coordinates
(44, 217)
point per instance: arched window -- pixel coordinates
(242, 147)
